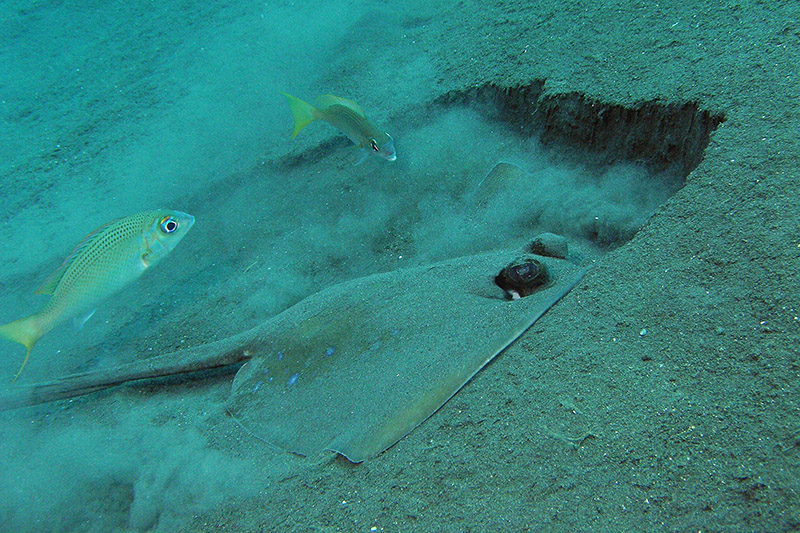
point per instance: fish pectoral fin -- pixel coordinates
(147, 258)
(79, 321)
(364, 155)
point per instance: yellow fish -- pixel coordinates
(102, 264)
(347, 117)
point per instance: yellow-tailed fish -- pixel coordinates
(347, 117)
(103, 263)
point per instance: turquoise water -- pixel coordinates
(110, 109)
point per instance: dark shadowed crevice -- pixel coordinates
(472, 158)
(660, 135)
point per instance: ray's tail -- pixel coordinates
(24, 331)
(303, 113)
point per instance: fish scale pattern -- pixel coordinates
(104, 262)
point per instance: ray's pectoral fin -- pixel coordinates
(357, 382)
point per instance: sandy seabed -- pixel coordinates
(676, 357)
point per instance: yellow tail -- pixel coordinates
(24, 331)
(303, 113)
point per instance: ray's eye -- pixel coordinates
(374, 145)
(168, 224)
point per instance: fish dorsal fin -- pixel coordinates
(49, 285)
(327, 100)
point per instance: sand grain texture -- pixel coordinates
(588, 422)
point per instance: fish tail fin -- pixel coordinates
(303, 113)
(24, 331)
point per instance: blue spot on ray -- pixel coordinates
(293, 379)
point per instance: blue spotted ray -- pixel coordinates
(356, 367)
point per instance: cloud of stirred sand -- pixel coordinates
(131, 471)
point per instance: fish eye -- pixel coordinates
(374, 145)
(168, 224)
